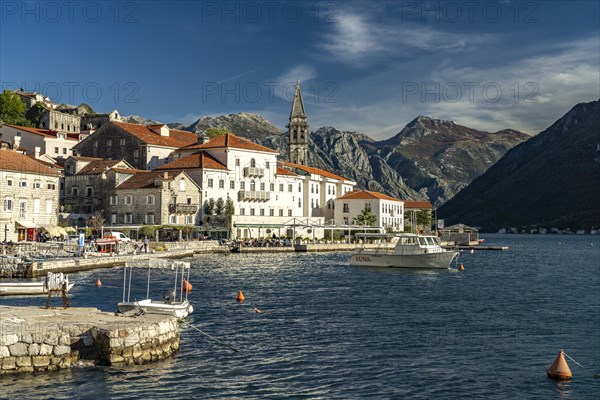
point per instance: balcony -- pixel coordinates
(183, 208)
(251, 195)
(254, 172)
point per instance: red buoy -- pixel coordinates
(559, 369)
(187, 287)
(240, 296)
(98, 282)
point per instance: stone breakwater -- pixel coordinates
(37, 339)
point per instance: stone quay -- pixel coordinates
(38, 339)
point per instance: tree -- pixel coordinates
(97, 221)
(212, 133)
(12, 109)
(219, 206)
(209, 207)
(229, 211)
(35, 113)
(365, 218)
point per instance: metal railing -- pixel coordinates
(253, 171)
(252, 195)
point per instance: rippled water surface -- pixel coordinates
(328, 330)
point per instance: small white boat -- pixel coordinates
(411, 251)
(52, 282)
(173, 303)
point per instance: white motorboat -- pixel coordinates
(411, 251)
(174, 302)
(52, 282)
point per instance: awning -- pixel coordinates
(51, 230)
(70, 229)
(26, 224)
(62, 231)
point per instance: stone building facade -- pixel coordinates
(92, 122)
(142, 146)
(29, 191)
(61, 122)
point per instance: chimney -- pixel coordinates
(16, 141)
(165, 175)
(37, 151)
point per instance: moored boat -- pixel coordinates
(52, 282)
(411, 251)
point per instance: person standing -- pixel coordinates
(145, 243)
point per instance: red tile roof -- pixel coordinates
(315, 171)
(84, 158)
(46, 163)
(366, 195)
(199, 159)
(40, 132)
(144, 180)
(176, 138)
(231, 140)
(97, 167)
(128, 170)
(417, 204)
(283, 171)
(11, 160)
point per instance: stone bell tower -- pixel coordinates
(298, 130)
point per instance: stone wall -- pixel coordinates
(35, 339)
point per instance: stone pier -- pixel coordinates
(37, 339)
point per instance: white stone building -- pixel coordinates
(30, 194)
(388, 210)
(44, 144)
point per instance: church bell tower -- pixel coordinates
(298, 130)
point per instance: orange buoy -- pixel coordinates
(559, 369)
(98, 282)
(240, 296)
(187, 287)
(461, 267)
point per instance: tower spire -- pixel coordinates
(298, 130)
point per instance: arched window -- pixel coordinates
(253, 163)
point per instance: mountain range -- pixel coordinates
(551, 180)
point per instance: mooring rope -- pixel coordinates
(571, 358)
(211, 337)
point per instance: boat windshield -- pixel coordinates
(431, 241)
(422, 241)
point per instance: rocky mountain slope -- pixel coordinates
(551, 180)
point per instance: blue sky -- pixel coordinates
(368, 66)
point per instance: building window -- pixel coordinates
(252, 211)
(262, 212)
(272, 187)
(271, 212)
(23, 184)
(22, 209)
(242, 185)
(221, 184)
(136, 154)
(128, 200)
(253, 163)
(114, 200)
(149, 219)
(113, 218)
(51, 186)
(231, 184)
(122, 142)
(299, 202)
(281, 213)
(37, 185)
(242, 211)
(346, 208)
(281, 187)
(74, 191)
(252, 186)
(210, 182)
(150, 199)
(9, 182)
(89, 192)
(345, 220)
(290, 188)
(289, 213)
(128, 218)
(299, 187)
(237, 162)
(109, 143)
(8, 204)
(182, 185)
(368, 207)
(316, 188)
(62, 127)
(333, 190)
(188, 220)
(96, 145)
(262, 186)
(312, 203)
(56, 150)
(312, 188)
(267, 164)
(48, 207)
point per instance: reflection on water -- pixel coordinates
(331, 331)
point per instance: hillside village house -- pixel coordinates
(46, 144)
(30, 193)
(142, 146)
(388, 210)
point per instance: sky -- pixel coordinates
(369, 66)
